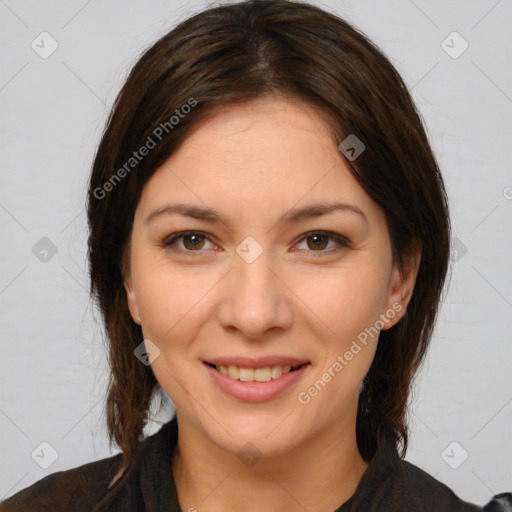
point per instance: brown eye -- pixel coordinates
(191, 241)
(318, 242)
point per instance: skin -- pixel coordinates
(253, 163)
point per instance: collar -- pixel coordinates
(384, 462)
(156, 478)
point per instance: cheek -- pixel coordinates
(347, 301)
(349, 304)
(169, 300)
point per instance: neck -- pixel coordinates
(318, 475)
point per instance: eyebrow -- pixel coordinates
(291, 216)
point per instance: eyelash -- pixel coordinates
(342, 241)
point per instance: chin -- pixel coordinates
(268, 433)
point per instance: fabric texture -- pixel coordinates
(390, 484)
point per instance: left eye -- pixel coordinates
(320, 240)
(193, 241)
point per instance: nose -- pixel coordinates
(254, 299)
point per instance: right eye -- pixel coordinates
(192, 241)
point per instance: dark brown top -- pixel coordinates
(390, 484)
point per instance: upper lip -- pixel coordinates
(258, 362)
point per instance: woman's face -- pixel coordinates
(254, 286)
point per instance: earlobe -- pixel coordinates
(131, 299)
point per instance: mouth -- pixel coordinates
(258, 374)
(261, 380)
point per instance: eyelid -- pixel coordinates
(341, 240)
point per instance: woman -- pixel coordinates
(269, 240)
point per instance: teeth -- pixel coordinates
(276, 372)
(246, 374)
(233, 372)
(264, 374)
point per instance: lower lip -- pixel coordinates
(256, 391)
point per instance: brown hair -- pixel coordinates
(232, 54)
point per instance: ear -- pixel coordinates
(131, 298)
(401, 288)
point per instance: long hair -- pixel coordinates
(232, 54)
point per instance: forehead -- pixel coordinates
(256, 159)
(273, 130)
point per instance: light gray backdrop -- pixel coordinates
(61, 64)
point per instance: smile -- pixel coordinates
(256, 381)
(263, 374)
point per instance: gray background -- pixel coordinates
(53, 365)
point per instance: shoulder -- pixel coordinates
(392, 484)
(421, 491)
(82, 488)
(77, 489)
